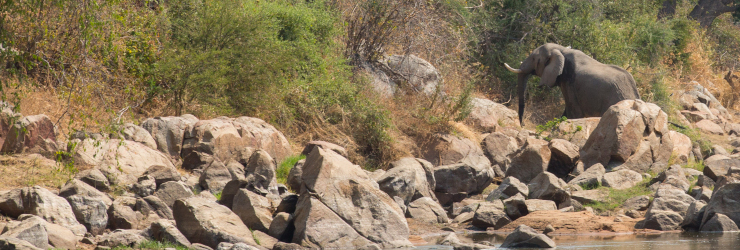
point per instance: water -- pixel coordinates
(666, 241)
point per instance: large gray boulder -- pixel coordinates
(726, 201)
(11, 243)
(262, 173)
(325, 145)
(718, 165)
(90, 212)
(121, 161)
(427, 210)
(164, 231)
(526, 237)
(170, 191)
(621, 179)
(94, 178)
(131, 132)
(40, 233)
(563, 158)
(461, 178)
(531, 160)
(31, 134)
(547, 186)
(568, 130)
(694, 215)
(490, 215)
(122, 238)
(409, 179)
(419, 74)
(121, 214)
(253, 209)
(719, 223)
(340, 196)
(509, 187)
(499, 148)
(591, 177)
(209, 223)
(620, 134)
(668, 209)
(43, 203)
(168, 132)
(487, 115)
(214, 177)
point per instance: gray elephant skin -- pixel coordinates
(588, 86)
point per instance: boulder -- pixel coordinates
(122, 162)
(704, 181)
(563, 158)
(674, 176)
(208, 223)
(719, 223)
(325, 145)
(589, 196)
(211, 139)
(294, 181)
(668, 209)
(409, 179)
(416, 72)
(90, 212)
(43, 203)
(499, 147)
(16, 244)
(29, 228)
(158, 207)
(145, 186)
(317, 226)
(171, 191)
(122, 238)
(621, 179)
(258, 134)
(490, 215)
(547, 186)
(165, 231)
(121, 214)
(642, 159)
(568, 130)
(524, 236)
(591, 177)
(168, 132)
(639, 203)
(214, 177)
(680, 144)
(31, 134)
(253, 209)
(509, 187)
(446, 149)
(709, 127)
(726, 201)
(77, 187)
(162, 174)
(427, 210)
(701, 193)
(530, 161)
(282, 227)
(131, 132)
(663, 221)
(487, 115)
(462, 179)
(262, 173)
(94, 178)
(349, 202)
(620, 132)
(694, 215)
(718, 165)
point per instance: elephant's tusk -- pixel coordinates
(518, 71)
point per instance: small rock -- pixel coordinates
(524, 236)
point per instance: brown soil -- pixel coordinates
(29, 170)
(573, 223)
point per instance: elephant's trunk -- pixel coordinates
(521, 91)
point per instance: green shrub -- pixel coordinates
(284, 168)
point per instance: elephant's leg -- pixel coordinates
(565, 113)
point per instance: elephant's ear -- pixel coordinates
(553, 69)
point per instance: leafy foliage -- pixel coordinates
(284, 168)
(552, 128)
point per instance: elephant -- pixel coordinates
(588, 86)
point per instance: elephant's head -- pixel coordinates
(547, 62)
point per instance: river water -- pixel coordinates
(666, 241)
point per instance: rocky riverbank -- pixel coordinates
(212, 184)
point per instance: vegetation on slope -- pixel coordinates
(296, 64)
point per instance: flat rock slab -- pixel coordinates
(621, 179)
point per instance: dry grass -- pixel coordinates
(29, 170)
